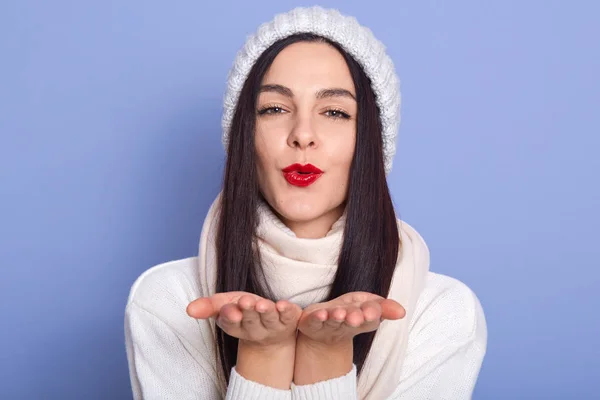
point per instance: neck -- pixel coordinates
(315, 228)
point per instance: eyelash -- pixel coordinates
(341, 113)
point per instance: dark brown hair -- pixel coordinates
(371, 241)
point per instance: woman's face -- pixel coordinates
(306, 114)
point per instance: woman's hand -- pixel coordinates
(339, 320)
(249, 317)
(266, 333)
(324, 347)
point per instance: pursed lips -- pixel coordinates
(301, 175)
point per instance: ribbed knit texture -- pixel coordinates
(435, 352)
(241, 388)
(343, 387)
(356, 39)
(169, 359)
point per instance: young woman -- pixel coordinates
(306, 285)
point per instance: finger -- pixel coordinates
(336, 318)
(246, 302)
(268, 314)
(288, 312)
(250, 318)
(372, 315)
(354, 317)
(229, 318)
(371, 311)
(316, 318)
(391, 309)
(208, 307)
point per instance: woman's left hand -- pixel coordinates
(342, 318)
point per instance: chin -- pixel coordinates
(300, 209)
(301, 205)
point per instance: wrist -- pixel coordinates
(268, 348)
(342, 346)
(268, 364)
(317, 361)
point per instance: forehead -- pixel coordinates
(309, 65)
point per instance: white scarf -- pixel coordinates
(302, 271)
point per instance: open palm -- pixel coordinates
(249, 317)
(346, 316)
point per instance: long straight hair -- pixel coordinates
(371, 242)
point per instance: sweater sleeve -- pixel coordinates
(446, 346)
(163, 365)
(341, 388)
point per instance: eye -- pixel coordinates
(337, 114)
(271, 110)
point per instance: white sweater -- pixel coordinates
(168, 359)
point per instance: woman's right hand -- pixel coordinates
(249, 317)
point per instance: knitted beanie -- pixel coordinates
(354, 38)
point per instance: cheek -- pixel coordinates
(262, 151)
(268, 151)
(266, 148)
(341, 153)
(262, 161)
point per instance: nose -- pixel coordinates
(303, 135)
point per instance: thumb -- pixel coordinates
(391, 309)
(202, 308)
(208, 307)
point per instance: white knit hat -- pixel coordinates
(356, 39)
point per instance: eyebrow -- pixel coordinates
(321, 94)
(334, 92)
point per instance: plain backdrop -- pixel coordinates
(110, 155)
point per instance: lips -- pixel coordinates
(301, 175)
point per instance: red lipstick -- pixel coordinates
(301, 175)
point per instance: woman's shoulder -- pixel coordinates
(452, 308)
(156, 316)
(439, 284)
(166, 286)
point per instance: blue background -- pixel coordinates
(110, 155)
